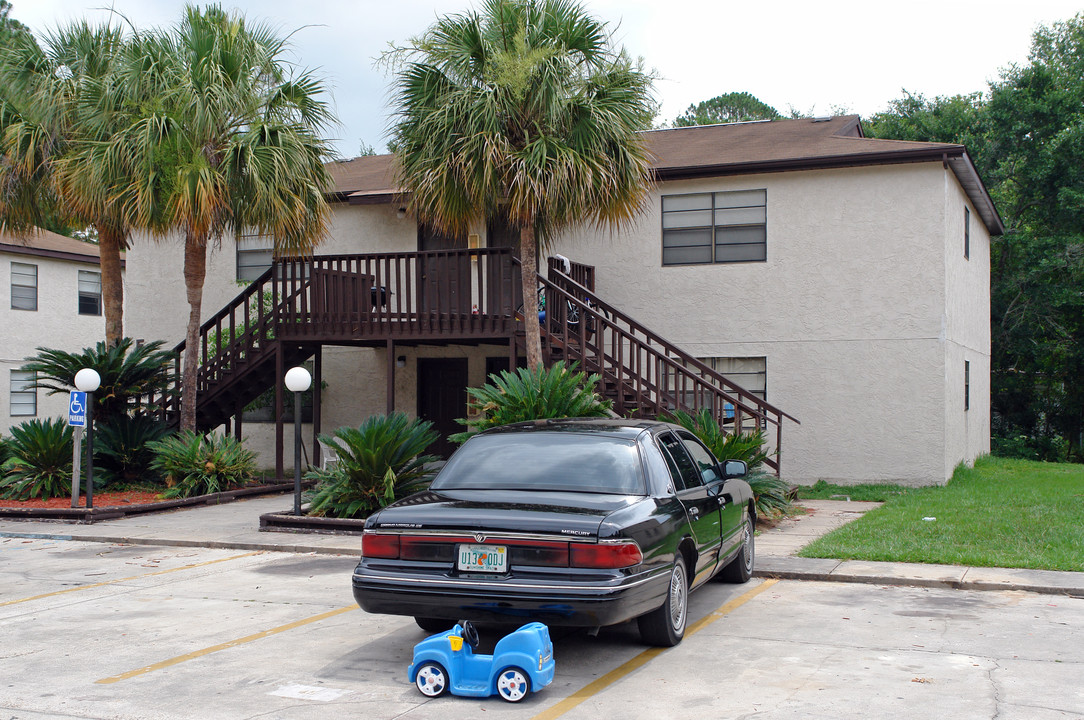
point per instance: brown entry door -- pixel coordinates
(442, 397)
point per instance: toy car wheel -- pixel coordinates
(431, 679)
(513, 684)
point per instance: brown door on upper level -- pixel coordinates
(442, 397)
(443, 280)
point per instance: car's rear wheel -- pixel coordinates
(513, 684)
(431, 679)
(740, 569)
(434, 625)
(665, 626)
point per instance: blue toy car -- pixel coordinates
(521, 663)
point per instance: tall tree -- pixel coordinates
(54, 102)
(524, 110)
(231, 142)
(727, 108)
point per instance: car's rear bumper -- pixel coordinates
(585, 603)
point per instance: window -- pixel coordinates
(682, 468)
(700, 455)
(24, 286)
(24, 398)
(254, 256)
(90, 293)
(717, 227)
(967, 233)
(967, 385)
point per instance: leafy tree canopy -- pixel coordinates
(728, 108)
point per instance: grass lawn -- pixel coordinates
(1001, 513)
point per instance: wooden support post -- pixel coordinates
(280, 373)
(391, 377)
(317, 383)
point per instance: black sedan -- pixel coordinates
(568, 522)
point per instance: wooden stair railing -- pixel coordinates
(643, 373)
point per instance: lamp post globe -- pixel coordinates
(87, 380)
(298, 379)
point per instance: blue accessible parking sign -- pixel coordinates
(77, 409)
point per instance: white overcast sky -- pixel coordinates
(809, 55)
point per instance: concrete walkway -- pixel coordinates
(235, 525)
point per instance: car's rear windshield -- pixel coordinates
(560, 461)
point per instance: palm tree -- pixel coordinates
(54, 100)
(230, 143)
(526, 111)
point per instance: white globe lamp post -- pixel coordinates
(88, 380)
(298, 381)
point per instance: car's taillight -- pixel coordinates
(606, 555)
(379, 546)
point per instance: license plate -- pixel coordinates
(483, 558)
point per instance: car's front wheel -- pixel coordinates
(740, 569)
(665, 626)
(431, 679)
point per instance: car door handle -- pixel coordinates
(722, 502)
(695, 512)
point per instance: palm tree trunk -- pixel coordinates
(195, 271)
(110, 243)
(529, 280)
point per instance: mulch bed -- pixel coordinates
(112, 505)
(102, 499)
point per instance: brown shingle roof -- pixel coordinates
(735, 149)
(49, 244)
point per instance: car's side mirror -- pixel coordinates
(734, 468)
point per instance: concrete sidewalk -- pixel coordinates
(235, 525)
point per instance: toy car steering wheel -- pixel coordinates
(469, 633)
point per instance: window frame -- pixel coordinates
(88, 296)
(967, 385)
(967, 233)
(17, 388)
(250, 252)
(33, 287)
(718, 207)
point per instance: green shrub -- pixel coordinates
(127, 373)
(5, 452)
(122, 452)
(510, 397)
(40, 465)
(379, 462)
(773, 495)
(196, 465)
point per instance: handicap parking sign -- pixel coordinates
(77, 409)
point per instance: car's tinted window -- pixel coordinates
(562, 461)
(681, 465)
(705, 463)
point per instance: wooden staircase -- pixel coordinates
(443, 297)
(641, 372)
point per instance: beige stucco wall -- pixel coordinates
(966, 332)
(55, 324)
(849, 311)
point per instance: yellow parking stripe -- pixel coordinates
(596, 686)
(128, 579)
(223, 646)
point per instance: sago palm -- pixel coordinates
(525, 111)
(232, 143)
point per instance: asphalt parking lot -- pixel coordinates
(96, 630)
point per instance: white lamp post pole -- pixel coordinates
(87, 380)
(298, 380)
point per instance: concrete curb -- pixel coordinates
(955, 577)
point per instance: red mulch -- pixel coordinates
(101, 500)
